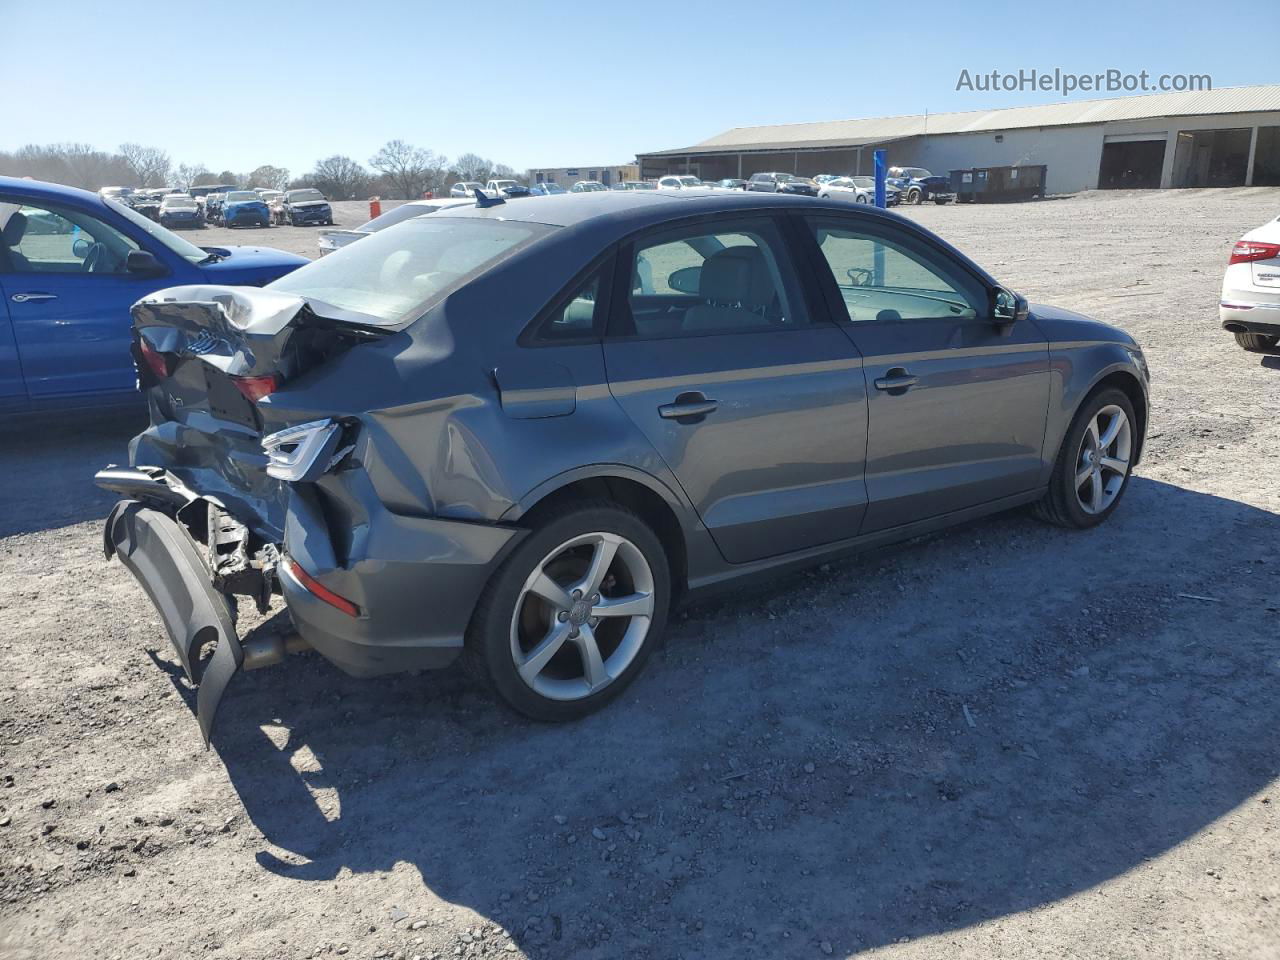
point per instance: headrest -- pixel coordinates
(14, 229)
(737, 276)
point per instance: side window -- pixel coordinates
(47, 240)
(575, 316)
(727, 279)
(889, 275)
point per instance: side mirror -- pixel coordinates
(143, 263)
(80, 248)
(1007, 308)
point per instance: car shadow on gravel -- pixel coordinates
(50, 462)
(891, 747)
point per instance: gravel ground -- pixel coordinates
(1003, 741)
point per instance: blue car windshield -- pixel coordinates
(188, 251)
(243, 196)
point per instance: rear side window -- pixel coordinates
(728, 278)
(886, 274)
(393, 276)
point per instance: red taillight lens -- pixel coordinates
(1247, 251)
(161, 364)
(255, 388)
(318, 589)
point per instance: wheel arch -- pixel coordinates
(647, 496)
(1127, 381)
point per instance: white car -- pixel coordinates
(857, 190)
(1250, 304)
(681, 182)
(587, 186)
(465, 188)
(847, 188)
(331, 240)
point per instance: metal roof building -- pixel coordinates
(1224, 137)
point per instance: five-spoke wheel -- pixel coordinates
(570, 617)
(1094, 461)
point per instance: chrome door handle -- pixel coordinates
(688, 406)
(897, 379)
(25, 297)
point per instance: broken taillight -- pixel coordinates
(255, 388)
(160, 364)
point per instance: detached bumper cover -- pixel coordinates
(168, 565)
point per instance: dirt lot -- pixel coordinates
(1004, 741)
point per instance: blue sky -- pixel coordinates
(235, 84)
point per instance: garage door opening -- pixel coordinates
(1266, 158)
(1131, 165)
(1211, 158)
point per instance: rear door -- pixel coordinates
(68, 296)
(752, 398)
(958, 405)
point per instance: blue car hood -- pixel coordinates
(250, 265)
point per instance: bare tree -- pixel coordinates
(410, 170)
(186, 175)
(150, 165)
(276, 178)
(205, 178)
(472, 166)
(339, 177)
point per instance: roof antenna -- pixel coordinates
(483, 200)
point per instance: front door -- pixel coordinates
(68, 295)
(958, 405)
(756, 405)
(13, 392)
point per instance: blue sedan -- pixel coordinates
(71, 265)
(244, 208)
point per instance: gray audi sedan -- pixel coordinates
(523, 433)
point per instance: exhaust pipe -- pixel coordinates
(269, 649)
(1235, 328)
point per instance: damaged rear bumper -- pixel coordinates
(413, 581)
(167, 564)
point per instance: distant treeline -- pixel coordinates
(397, 171)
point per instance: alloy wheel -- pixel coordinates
(1102, 464)
(582, 616)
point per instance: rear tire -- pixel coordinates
(552, 658)
(1256, 342)
(1090, 477)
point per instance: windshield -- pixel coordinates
(503, 184)
(393, 276)
(178, 203)
(242, 196)
(690, 182)
(867, 183)
(188, 251)
(295, 196)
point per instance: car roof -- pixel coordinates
(48, 191)
(595, 220)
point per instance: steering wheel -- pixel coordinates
(96, 258)
(860, 276)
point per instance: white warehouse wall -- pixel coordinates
(1072, 154)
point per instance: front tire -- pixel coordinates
(571, 617)
(1094, 462)
(1255, 342)
(913, 197)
